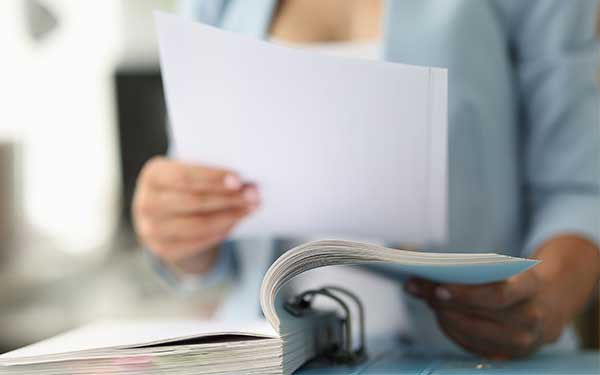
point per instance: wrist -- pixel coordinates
(192, 279)
(569, 271)
(568, 255)
(197, 264)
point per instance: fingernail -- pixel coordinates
(412, 288)
(442, 294)
(232, 182)
(251, 196)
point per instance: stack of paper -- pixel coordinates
(177, 347)
(338, 147)
(467, 268)
(279, 347)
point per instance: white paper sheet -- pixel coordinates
(127, 334)
(337, 146)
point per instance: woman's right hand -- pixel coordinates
(182, 212)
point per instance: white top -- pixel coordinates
(370, 50)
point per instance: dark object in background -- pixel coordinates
(41, 20)
(142, 126)
(10, 197)
(588, 325)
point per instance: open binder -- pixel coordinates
(293, 333)
(338, 350)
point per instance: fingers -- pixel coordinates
(182, 228)
(499, 320)
(500, 295)
(168, 203)
(463, 342)
(470, 345)
(170, 174)
(488, 338)
(421, 288)
(182, 210)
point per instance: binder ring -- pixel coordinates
(300, 304)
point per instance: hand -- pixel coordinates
(181, 212)
(516, 317)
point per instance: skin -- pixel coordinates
(182, 212)
(514, 318)
(311, 21)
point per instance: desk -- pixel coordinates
(398, 362)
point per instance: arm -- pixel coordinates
(557, 65)
(556, 61)
(183, 212)
(515, 318)
(215, 264)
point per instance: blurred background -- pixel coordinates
(82, 110)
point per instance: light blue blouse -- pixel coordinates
(524, 127)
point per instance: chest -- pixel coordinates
(469, 37)
(309, 21)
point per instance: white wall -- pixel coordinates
(56, 99)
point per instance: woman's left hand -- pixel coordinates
(516, 317)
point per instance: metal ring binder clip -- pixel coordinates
(300, 304)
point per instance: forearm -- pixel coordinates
(571, 264)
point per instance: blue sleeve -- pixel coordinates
(556, 60)
(223, 271)
(207, 11)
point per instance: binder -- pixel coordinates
(338, 350)
(294, 331)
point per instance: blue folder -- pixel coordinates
(385, 359)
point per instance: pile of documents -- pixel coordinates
(338, 147)
(362, 143)
(278, 347)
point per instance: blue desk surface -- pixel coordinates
(382, 361)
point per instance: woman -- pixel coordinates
(524, 148)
